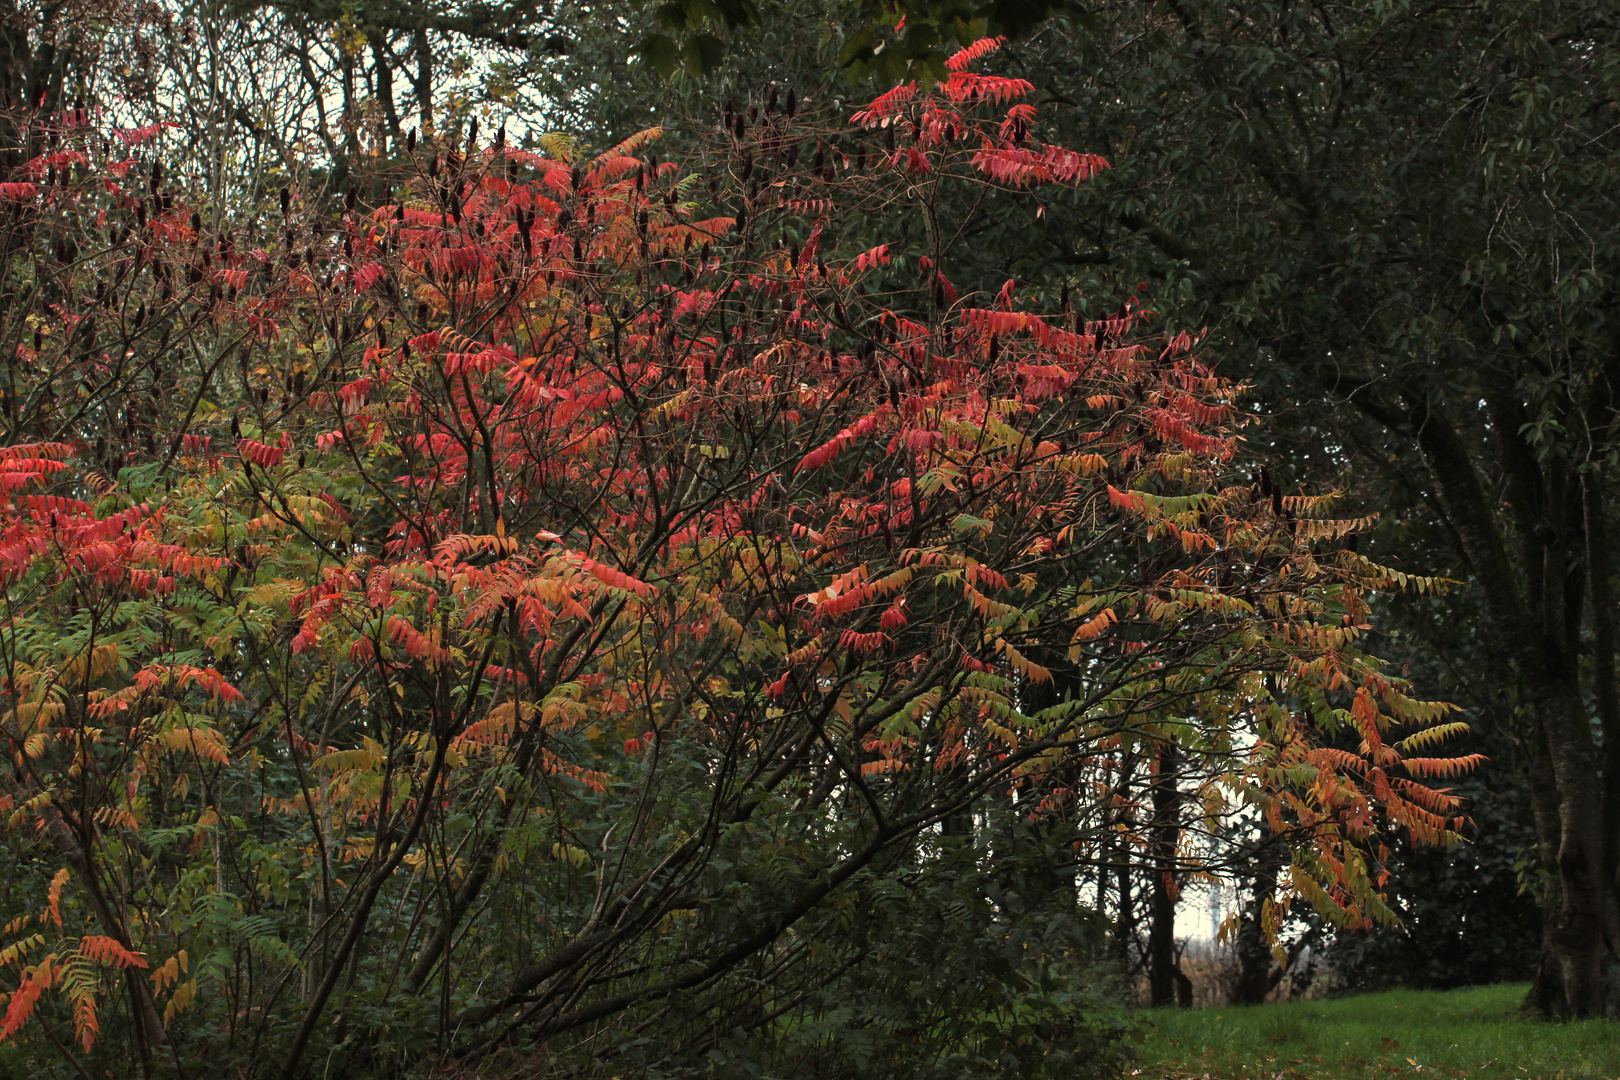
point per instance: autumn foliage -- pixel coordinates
(538, 592)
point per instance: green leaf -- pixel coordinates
(859, 48)
(969, 523)
(702, 54)
(660, 52)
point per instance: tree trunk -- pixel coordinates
(1605, 693)
(1163, 967)
(1529, 609)
(1184, 987)
(1124, 923)
(1254, 952)
(1546, 993)
(424, 82)
(1578, 934)
(383, 73)
(32, 76)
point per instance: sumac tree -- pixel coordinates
(573, 608)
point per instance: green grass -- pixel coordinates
(1476, 1033)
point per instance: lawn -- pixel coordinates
(1475, 1033)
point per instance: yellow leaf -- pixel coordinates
(570, 854)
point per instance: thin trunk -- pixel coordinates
(1604, 691)
(1124, 924)
(1254, 963)
(424, 81)
(1253, 950)
(16, 56)
(31, 76)
(383, 72)
(1162, 965)
(1546, 993)
(1579, 933)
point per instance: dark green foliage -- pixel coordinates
(892, 41)
(1464, 919)
(950, 971)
